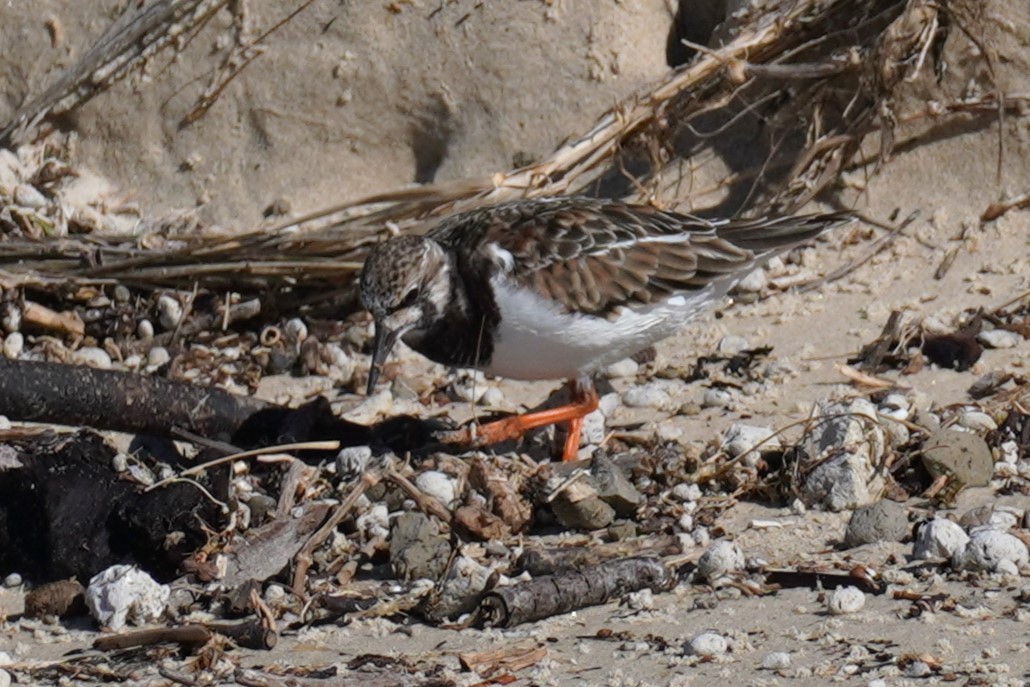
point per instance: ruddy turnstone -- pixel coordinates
(557, 288)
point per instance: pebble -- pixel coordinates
(717, 398)
(120, 462)
(991, 551)
(417, 549)
(707, 644)
(650, 395)
(29, 196)
(157, 356)
(881, 521)
(999, 338)
(977, 421)
(169, 311)
(918, 669)
(989, 515)
(626, 367)
(721, 558)
(731, 345)
(121, 293)
(295, 329)
(939, 538)
(686, 492)
(93, 357)
(124, 594)
(852, 441)
(844, 600)
(593, 431)
(613, 486)
(494, 397)
(145, 329)
(439, 485)
(962, 455)
(776, 660)
(741, 438)
(642, 600)
(14, 344)
(352, 461)
(754, 282)
(12, 580)
(5, 678)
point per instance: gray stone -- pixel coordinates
(417, 549)
(613, 486)
(963, 457)
(880, 521)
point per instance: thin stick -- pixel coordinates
(282, 448)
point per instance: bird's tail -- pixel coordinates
(777, 233)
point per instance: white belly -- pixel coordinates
(536, 340)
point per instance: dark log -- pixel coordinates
(122, 401)
(554, 594)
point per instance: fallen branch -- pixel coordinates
(564, 592)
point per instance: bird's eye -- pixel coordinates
(409, 299)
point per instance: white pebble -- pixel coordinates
(593, 430)
(753, 282)
(877, 682)
(918, 669)
(627, 367)
(686, 522)
(741, 438)
(353, 460)
(977, 421)
(988, 548)
(157, 356)
(717, 398)
(12, 580)
(731, 345)
(29, 196)
(647, 396)
(797, 507)
(169, 311)
(439, 485)
(5, 678)
(642, 600)
(493, 397)
(999, 338)
(93, 357)
(686, 492)
(295, 329)
(124, 594)
(120, 462)
(939, 538)
(776, 660)
(721, 558)
(145, 329)
(707, 644)
(844, 600)
(14, 344)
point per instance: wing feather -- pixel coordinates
(594, 255)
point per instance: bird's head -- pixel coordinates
(404, 284)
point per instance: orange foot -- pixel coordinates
(584, 402)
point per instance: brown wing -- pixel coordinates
(594, 255)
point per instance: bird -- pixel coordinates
(558, 288)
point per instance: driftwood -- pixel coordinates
(107, 399)
(570, 590)
(122, 401)
(250, 634)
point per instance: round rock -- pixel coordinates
(881, 521)
(844, 600)
(939, 538)
(707, 644)
(962, 456)
(721, 558)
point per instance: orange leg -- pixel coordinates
(584, 402)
